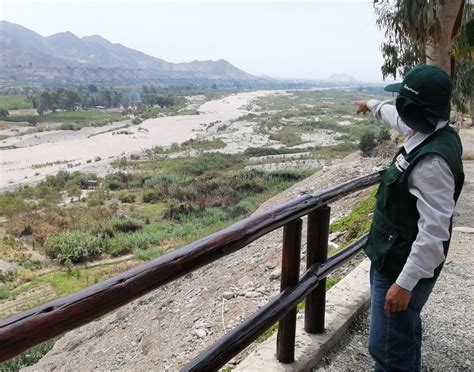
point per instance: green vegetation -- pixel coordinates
(287, 136)
(357, 223)
(42, 165)
(192, 144)
(155, 203)
(204, 144)
(369, 141)
(72, 246)
(285, 118)
(266, 151)
(15, 102)
(72, 120)
(27, 358)
(77, 107)
(163, 203)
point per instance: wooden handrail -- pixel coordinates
(237, 339)
(44, 322)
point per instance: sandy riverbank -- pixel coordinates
(35, 154)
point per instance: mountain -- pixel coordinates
(60, 54)
(342, 78)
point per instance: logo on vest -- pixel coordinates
(401, 163)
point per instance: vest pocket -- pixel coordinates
(381, 239)
(388, 177)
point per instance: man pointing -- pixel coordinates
(411, 227)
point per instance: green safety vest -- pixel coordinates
(395, 221)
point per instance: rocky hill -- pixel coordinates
(341, 78)
(24, 53)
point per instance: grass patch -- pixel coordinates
(267, 334)
(334, 152)
(287, 136)
(27, 358)
(149, 254)
(75, 279)
(72, 120)
(15, 102)
(357, 223)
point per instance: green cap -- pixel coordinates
(424, 97)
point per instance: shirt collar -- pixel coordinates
(417, 138)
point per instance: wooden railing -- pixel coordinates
(24, 330)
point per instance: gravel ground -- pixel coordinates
(448, 331)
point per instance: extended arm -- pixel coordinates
(385, 112)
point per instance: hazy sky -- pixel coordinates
(295, 39)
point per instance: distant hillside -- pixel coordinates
(342, 78)
(55, 56)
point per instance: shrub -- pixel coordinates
(124, 243)
(73, 246)
(180, 210)
(74, 190)
(121, 224)
(126, 197)
(4, 293)
(367, 144)
(151, 197)
(32, 264)
(11, 203)
(206, 162)
(69, 126)
(95, 200)
(383, 136)
(117, 181)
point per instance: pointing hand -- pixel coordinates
(361, 107)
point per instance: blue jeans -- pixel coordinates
(395, 339)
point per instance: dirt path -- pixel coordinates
(448, 319)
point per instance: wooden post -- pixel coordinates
(290, 273)
(317, 253)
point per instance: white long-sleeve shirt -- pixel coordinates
(432, 183)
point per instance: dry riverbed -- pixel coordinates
(28, 158)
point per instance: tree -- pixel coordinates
(433, 32)
(45, 102)
(4, 113)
